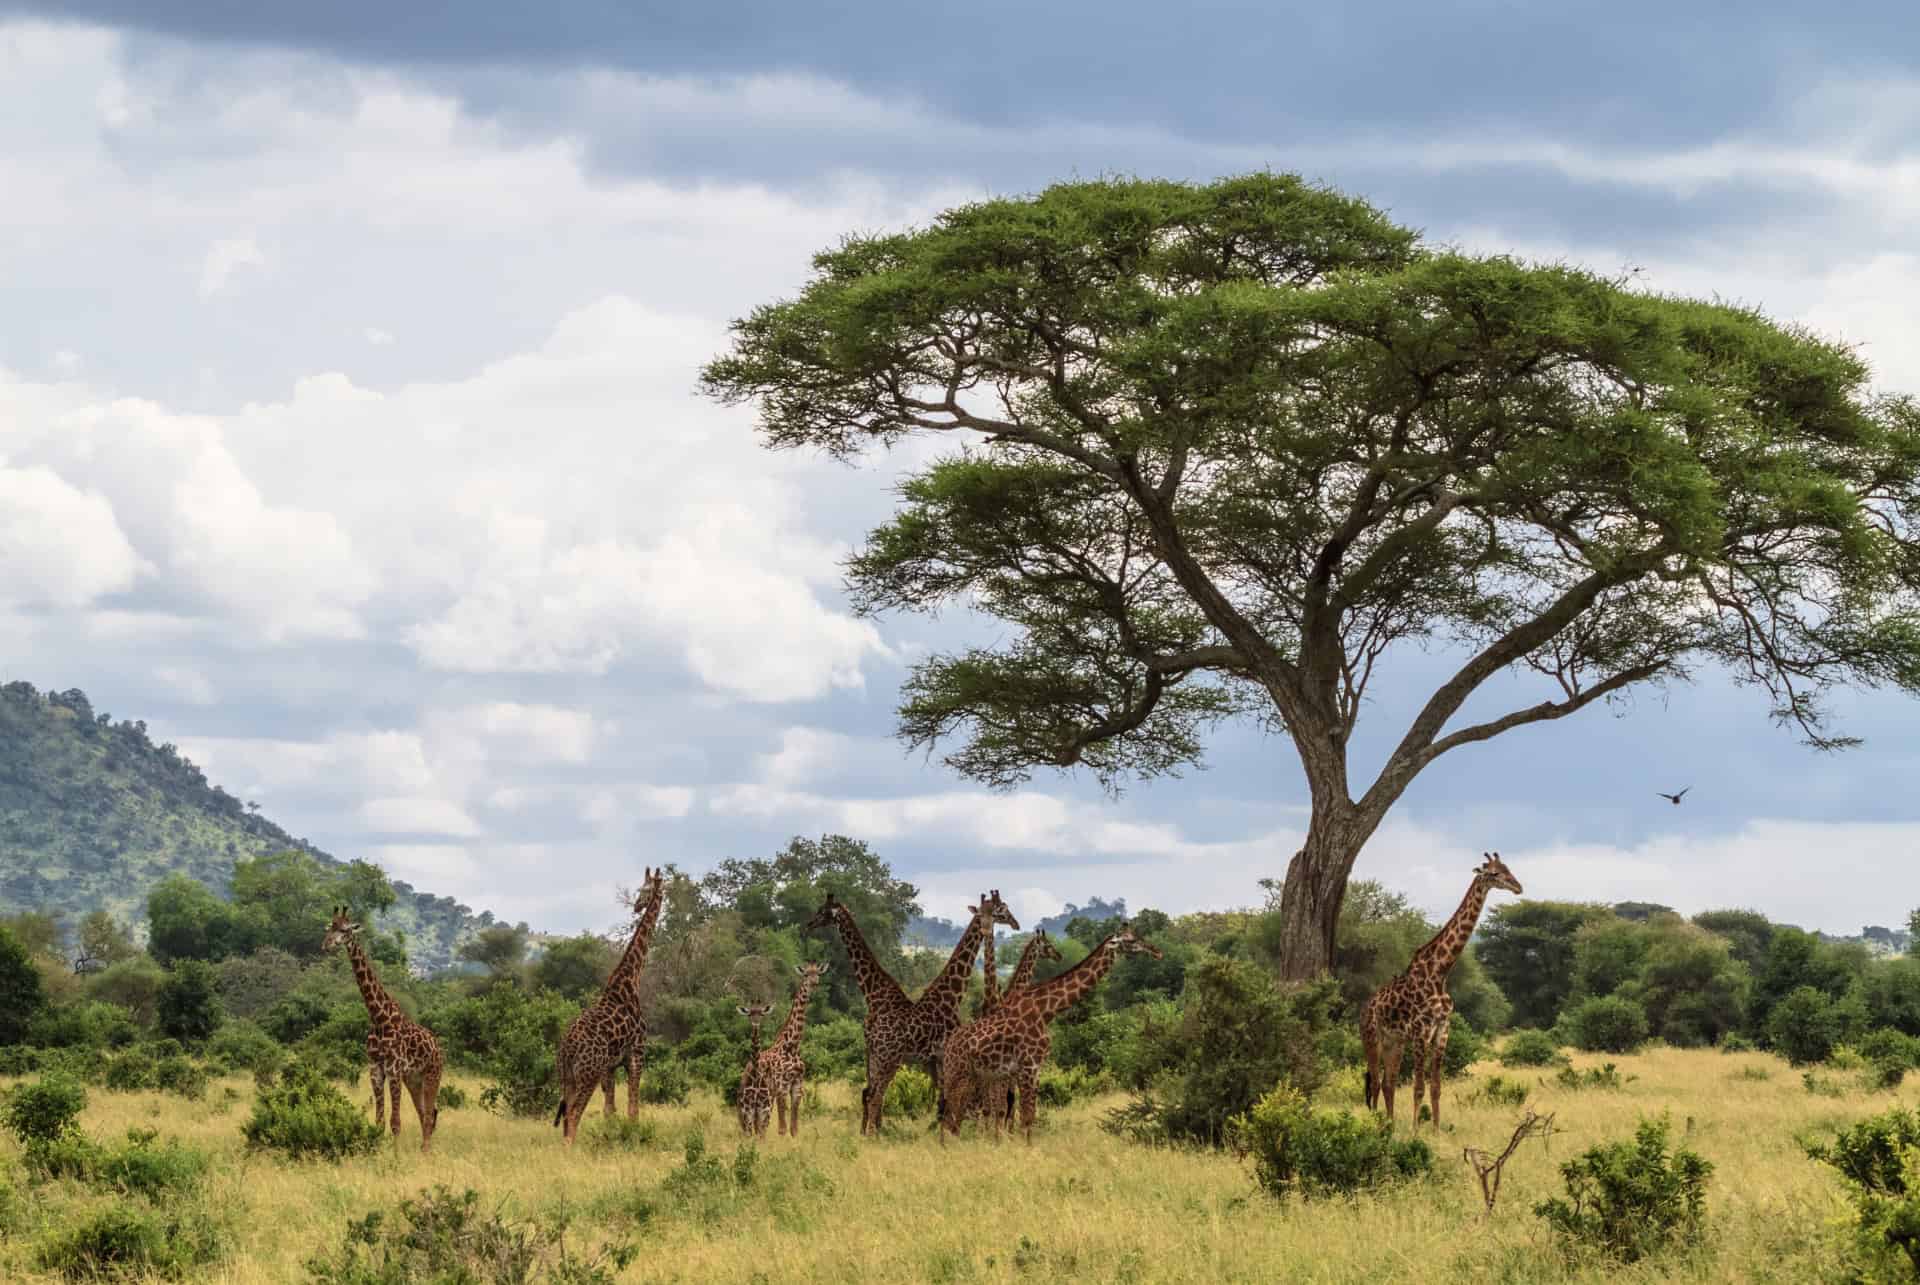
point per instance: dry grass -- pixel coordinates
(1078, 1205)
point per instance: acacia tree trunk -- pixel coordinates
(1316, 885)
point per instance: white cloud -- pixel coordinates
(61, 546)
(511, 732)
(66, 361)
(417, 816)
(223, 259)
(186, 683)
(377, 336)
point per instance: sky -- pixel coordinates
(349, 436)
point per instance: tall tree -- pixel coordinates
(1229, 447)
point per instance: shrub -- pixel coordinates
(19, 1059)
(47, 1109)
(243, 1046)
(1606, 1024)
(665, 1083)
(1500, 1091)
(189, 1003)
(1606, 1076)
(440, 1236)
(1630, 1199)
(1465, 1046)
(1531, 1048)
(130, 1072)
(452, 1098)
(306, 1116)
(137, 1168)
(910, 1094)
(89, 1024)
(1061, 1085)
(128, 1240)
(1820, 1085)
(1806, 1025)
(1734, 1042)
(1845, 1057)
(1298, 1149)
(1879, 1159)
(618, 1133)
(181, 1075)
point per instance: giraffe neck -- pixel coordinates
(947, 988)
(380, 1005)
(990, 976)
(624, 982)
(1440, 954)
(876, 983)
(795, 1026)
(753, 1041)
(1023, 971)
(1058, 994)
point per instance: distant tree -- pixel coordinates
(22, 996)
(1640, 911)
(1693, 990)
(251, 984)
(1797, 959)
(134, 984)
(187, 921)
(574, 966)
(1608, 953)
(1913, 926)
(104, 940)
(41, 933)
(1748, 933)
(189, 1003)
(1229, 448)
(1527, 948)
(501, 949)
(292, 894)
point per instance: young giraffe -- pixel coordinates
(900, 1030)
(780, 1066)
(1011, 1044)
(1039, 947)
(399, 1049)
(756, 1096)
(612, 1031)
(1413, 1009)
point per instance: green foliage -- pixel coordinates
(618, 1133)
(1527, 948)
(88, 1024)
(305, 1117)
(243, 1046)
(1298, 1149)
(1060, 1086)
(1378, 932)
(1879, 1159)
(189, 1004)
(1499, 1091)
(176, 1241)
(136, 1168)
(665, 1083)
(101, 817)
(510, 1036)
(575, 967)
(501, 949)
(1633, 1199)
(1746, 932)
(1239, 1036)
(1820, 1085)
(1465, 1046)
(1531, 1048)
(47, 1109)
(1806, 1024)
(1605, 1024)
(22, 994)
(441, 1236)
(910, 1094)
(1604, 1076)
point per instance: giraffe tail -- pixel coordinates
(560, 1114)
(1370, 1093)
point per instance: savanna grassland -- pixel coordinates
(1080, 1204)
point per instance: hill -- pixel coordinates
(93, 814)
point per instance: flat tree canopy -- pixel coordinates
(1225, 446)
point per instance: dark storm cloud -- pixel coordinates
(1638, 72)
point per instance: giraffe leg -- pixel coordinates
(606, 1091)
(414, 1087)
(780, 1109)
(1029, 1099)
(793, 1109)
(576, 1106)
(1371, 1040)
(1389, 1073)
(378, 1075)
(393, 1083)
(635, 1060)
(1438, 1056)
(1419, 1078)
(879, 1076)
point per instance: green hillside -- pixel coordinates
(93, 814)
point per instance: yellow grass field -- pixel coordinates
(1078, 1205)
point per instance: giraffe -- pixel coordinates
(1039, 947)
(989, 978)
(756, 1098)
(612, 1031)
(780, 1067)
(900, 1030)
(1413, 1009)
(1010, 1044)
(399, 1049)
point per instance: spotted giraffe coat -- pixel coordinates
(399, 1049)
(1413, 1010)
(612, 1031)
(1010, 1045)
(756, 1095)
(900, 1031)
(780, 1066)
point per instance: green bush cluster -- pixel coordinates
(305, 1117)
(1298, 1149)
(1605, 1024)
(1879, 1159)
(1531, 1048)
(441, 1235)
(1630, 1200)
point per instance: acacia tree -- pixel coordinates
(1226, 447)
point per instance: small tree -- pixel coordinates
(1234, 444)
(189, 1005)
(22, 993)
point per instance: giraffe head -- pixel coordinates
(1043, 946)
(753, 1012)
(340, 930)
(651, 882)
(811, 971)
(1125, 943)
(1494, 871)
(825, 916)
(996, 911)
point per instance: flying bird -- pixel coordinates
(1673, 798)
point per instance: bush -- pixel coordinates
(1061, 1085)
(1606, 1024)
(665, 1083)
(129, 1240)
(910, 1094)
(1465, 1046)
(1734, 1042)
(1531, 1048)
(618, 1133)
(1879, 1159)
(189, 1004)
(1806, 1025)
(47, 1109)
(243, 1046)
(130, 1072)
(440, 1236)
(181, 1075)
(452, 1097)
(89, 1024)
(19, 1059)
(1238, 1037)
(1500, 1091)
(1298, 1149)
(137, 1168)
(306, 1116)
(1606, 1076)
(1820, 1085)
(1631, 1199)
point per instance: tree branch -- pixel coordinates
(1544, 712)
